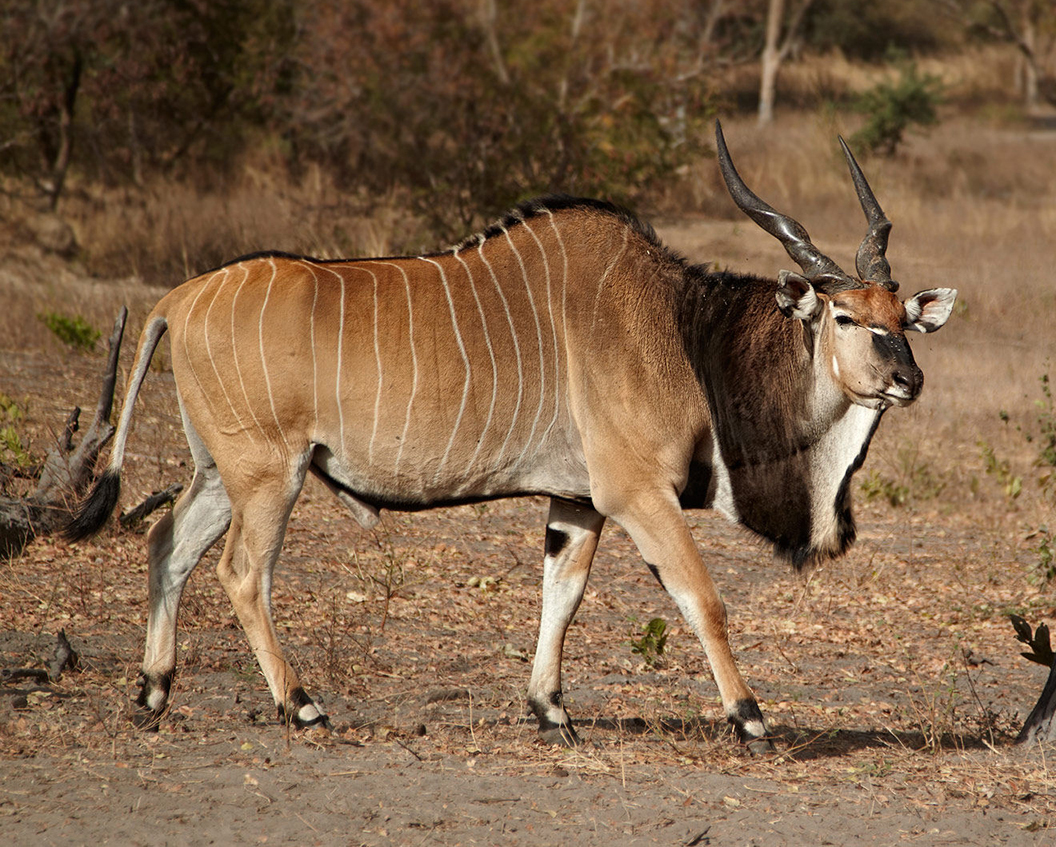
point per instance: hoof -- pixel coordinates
(559, 735)
(751, 729)
(760, 746)
(153, 700)
(302, 713)
(147, 720)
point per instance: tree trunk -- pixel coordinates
(61, 163)
(771, 61)
(1030, 64)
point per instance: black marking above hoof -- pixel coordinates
(557, 733)
(748, 721)
(293, 715)
(556, 541)
(655, 571)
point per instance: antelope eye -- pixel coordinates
(844, 320)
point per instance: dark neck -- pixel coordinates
(787, 442)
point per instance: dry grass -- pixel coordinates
(861, 667)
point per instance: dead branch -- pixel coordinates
(67, 470)
(155, 501)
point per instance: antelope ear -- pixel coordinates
(796, 297)
(928, 310)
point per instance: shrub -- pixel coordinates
(652, 643)
(12, 447)
(75, 332)
(893, 106)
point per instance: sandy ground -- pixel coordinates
(891, 677)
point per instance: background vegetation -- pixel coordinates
(894, 673)
(170, 135)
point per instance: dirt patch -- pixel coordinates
(892, 676)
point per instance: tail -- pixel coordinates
(92, 512)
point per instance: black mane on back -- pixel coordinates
(261, 254)
(524, 211)
(552, 203)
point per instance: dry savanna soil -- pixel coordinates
(891, 677)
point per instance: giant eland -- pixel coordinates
(563, 351)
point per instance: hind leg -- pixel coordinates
(258, 525)
(176, 544)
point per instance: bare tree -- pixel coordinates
(780, 37)
(1028, 26)
(1020, 22)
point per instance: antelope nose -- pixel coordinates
(909, 381)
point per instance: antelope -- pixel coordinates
(563, 351)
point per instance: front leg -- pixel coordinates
(572, 533)
(656, 524)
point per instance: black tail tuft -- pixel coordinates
(94, 510)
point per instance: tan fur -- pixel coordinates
(564, 352)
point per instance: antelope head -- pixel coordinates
(858, 324)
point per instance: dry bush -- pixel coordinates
(164, 230)
(983, 77)
(169, 232)
(862, 666)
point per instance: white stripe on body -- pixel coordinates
(494, 366)
(340, 352)
(414, 364)
(553, 328)
(263, 361)
(311, 343)
(516, 352)
(605, 276)
(465, 363)
(234, 351)
(212, 360)
(186, 338)
(539, 342)
(377, 363)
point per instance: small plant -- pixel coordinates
(1045, 439)
(1001, 470)
(652, 643)
(915, 480)
(894, 106)
(12, 447)
(935, 709)
(389, 579)
(876, 487)
(1045, 567)
(75, 332)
